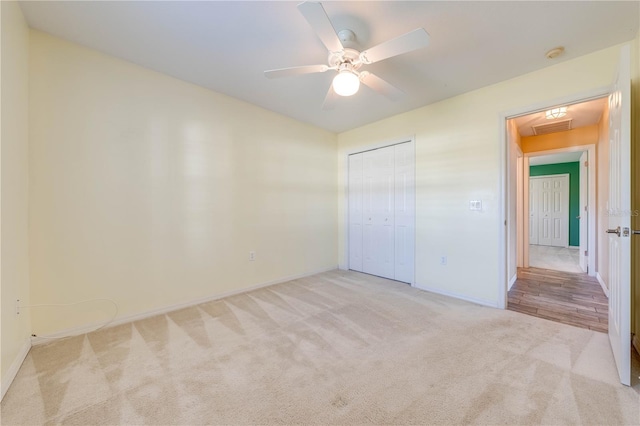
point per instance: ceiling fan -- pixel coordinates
(347, 61)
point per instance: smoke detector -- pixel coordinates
(555, 52)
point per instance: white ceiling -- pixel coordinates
(226, 45)
(581, 115)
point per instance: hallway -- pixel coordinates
(569, 298)
(566, 259)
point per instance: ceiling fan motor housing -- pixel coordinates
(348, 56)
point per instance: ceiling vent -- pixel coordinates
(557, 126)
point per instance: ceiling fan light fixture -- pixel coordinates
(556, 113)
(346, 83)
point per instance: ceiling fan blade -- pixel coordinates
(330, 100)
(316, 16)
(288, 72)
(381, 86)
(416, 39)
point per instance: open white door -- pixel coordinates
(583, 217)
(619, 218)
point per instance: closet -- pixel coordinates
(549, 210)
(382, 212)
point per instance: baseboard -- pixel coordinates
(602, 284)
(512, 281)
(86, 328)
(15, 367)
(477, 301)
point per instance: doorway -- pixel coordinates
(552, 245)
(614, 189)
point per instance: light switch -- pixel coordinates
(475, 205)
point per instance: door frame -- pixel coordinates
(591, 212)
(568, 176)
(344, 264)
(583, 200)
(504, 181)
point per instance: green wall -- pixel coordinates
(573, 169)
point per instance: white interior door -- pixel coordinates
(355, 195)
(381, 213)
(369, 253)
(378, 210)
(384, 217)
(404, 212)
(583, 217)
(545, 218)
(619, 218)
(552, 210)
(534, 184)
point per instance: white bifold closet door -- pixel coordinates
(549, 211)
(381, 212)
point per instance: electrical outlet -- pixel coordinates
(18, 307)
(443, 260)
(475, 205)
(252, 256)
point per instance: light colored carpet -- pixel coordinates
(336, 348)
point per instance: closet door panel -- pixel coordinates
(369, 249)
(381, 212)
(404, 212)
(356, 197)
(385, 213)
(534, 224)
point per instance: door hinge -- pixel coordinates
(586, 252)
(586, 164)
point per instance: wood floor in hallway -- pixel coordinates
(569, 298)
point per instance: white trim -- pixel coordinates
(503, 210)
(11, 373)
(592, 206)
(602, 284)
(526, 175)
(86, 328)
(483, 302)
(512, 281)
(577, 98)
(503, 147)
(378, 145)
(343, 263)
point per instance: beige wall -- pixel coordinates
(151, 191)
(458, 159)
(581, 136)
(14, 251)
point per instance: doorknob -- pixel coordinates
(635, 232)
(577, 217)
(613, 231)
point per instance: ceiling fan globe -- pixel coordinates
(346, 83)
